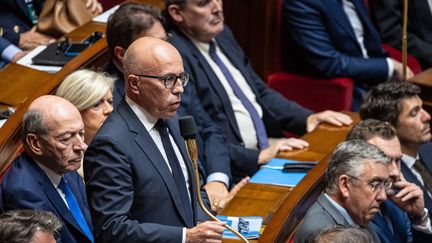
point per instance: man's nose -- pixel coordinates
(381, 196)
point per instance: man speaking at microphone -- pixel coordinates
(139, 178)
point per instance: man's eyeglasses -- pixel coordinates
(170, 80)
(377, 185)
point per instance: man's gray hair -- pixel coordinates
(343, 234)
(349, 158)
(19, 226)
(33, 123)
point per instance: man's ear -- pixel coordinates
(132, 81)
(34, 144)
(175, 13)
(343, 185)
(119, 53)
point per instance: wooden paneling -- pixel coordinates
(254, 24)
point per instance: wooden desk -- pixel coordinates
(282, 204)
(21, 85)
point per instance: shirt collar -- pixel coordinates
(54, 177)
(341, 210)
(146, 119)
(409, 160)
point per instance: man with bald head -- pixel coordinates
(139, 178)
(44, 176)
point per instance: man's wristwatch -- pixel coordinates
(420, 220)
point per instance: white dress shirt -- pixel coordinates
(357, 26)
(243, 118)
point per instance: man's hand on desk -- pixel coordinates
(217, 193)
(31, 39)
(209, 231)
(94, 7)
(285, 144)
(332, 117)
(219, 196)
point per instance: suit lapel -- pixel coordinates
(409, 176)
(335, 7)
(149, 148)
(53, 195)
(217, 86)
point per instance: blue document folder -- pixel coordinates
(272, 173)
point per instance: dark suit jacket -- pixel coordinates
(320, 216)
(215, 100)
(425, 154)
(15, 13)
(212, 149)
(400, 223)
(388, 19)
(26, 186)
(320, 40)
(132, 194)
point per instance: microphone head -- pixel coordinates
(187, 127)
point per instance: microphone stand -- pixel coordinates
(404, 39)
(193, 154)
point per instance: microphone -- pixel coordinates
(188, 132)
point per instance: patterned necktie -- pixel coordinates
(177, 173)
(256, 119)
(74, 208)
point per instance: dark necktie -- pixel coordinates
(177, 173)
(74, 208)
(424, 173)
(256, 119)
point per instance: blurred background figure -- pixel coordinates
(343, 234)
(91, 93)
(29, 226)
(388, 19)
(18, 32)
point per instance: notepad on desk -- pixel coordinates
(272, 173)
(248, 226)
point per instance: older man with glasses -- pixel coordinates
(405, 198)
(138, 175)
(134, 20)
(356, 182)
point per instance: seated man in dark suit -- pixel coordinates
(399, 104)
(337, 39)
(356, 180)
(392, 224)
(29, 226)
(139, 178)
(44, 177)
(388, 19)
(231, 92)
(134, 20)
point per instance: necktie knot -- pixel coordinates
(212, 48)
(161, 126)
(63, 185)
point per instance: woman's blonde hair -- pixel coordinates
(85, 88)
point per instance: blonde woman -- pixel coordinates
(91, 93)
